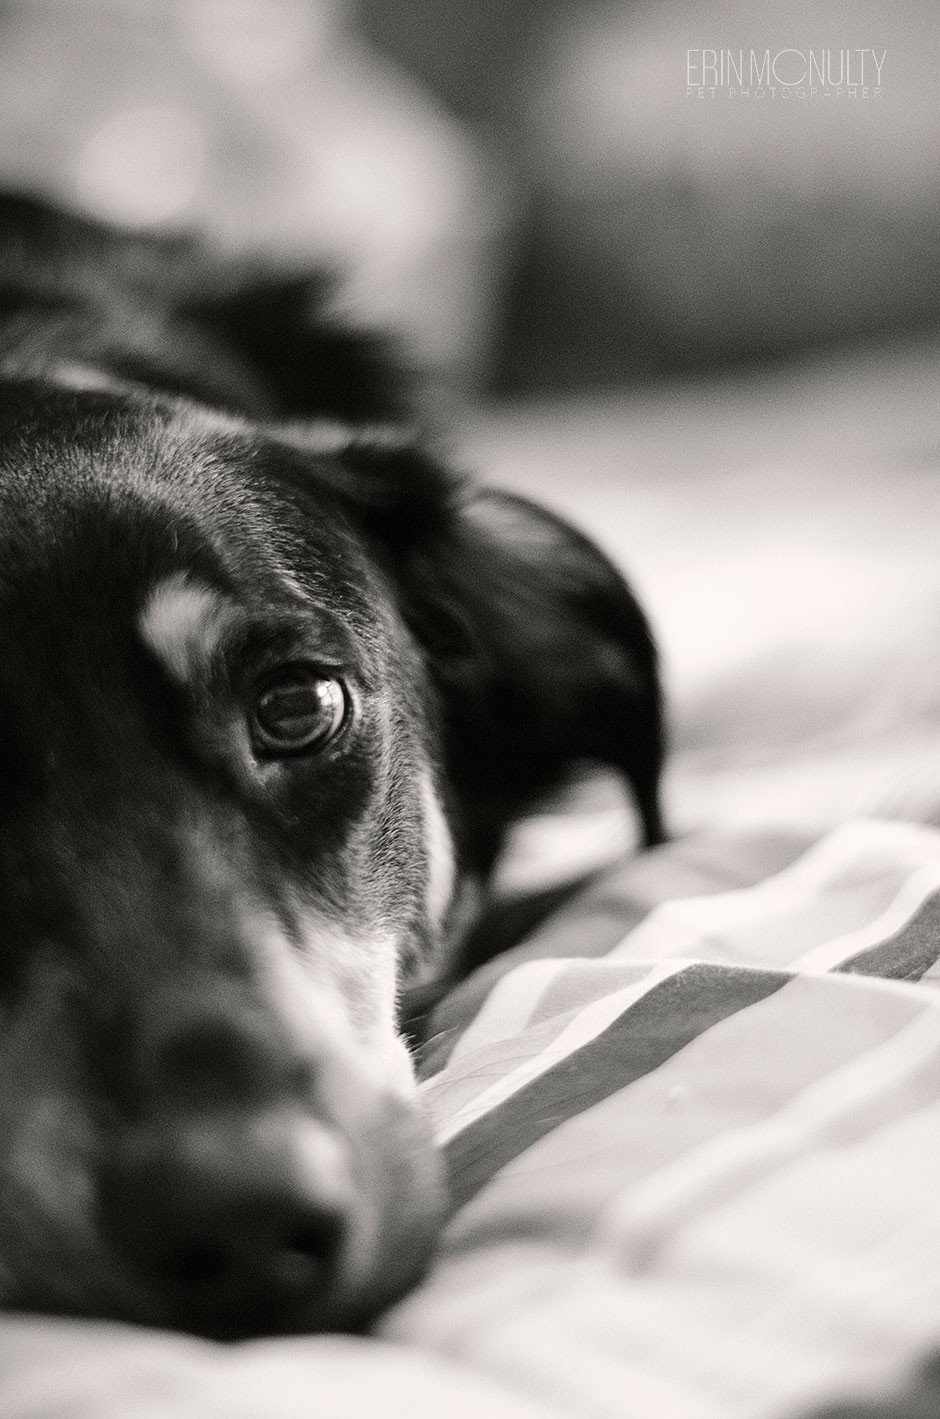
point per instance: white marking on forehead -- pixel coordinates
(440, 850)
(183, 623)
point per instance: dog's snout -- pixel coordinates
(222, 1186)
(234, 1223)
(216, 1055)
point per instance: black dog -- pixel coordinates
(270, 692)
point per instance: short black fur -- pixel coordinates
(206, 481)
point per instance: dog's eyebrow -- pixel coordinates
(183, 622)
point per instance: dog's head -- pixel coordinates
(269, 693)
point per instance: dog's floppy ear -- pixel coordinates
(539, 651)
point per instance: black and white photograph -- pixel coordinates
(469, 709)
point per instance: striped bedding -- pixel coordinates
(694, 1138)
(693, 1132)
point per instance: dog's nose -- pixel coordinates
(233, 1223)
(222, 1191)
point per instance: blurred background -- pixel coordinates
(532, 192)
(700, 321)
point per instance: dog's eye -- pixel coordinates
(298, 709)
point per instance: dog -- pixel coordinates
(275, 683)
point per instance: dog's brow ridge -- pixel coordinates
(183, 622)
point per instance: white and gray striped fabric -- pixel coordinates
(697, 1176)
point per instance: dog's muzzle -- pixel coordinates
(249, 1184)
